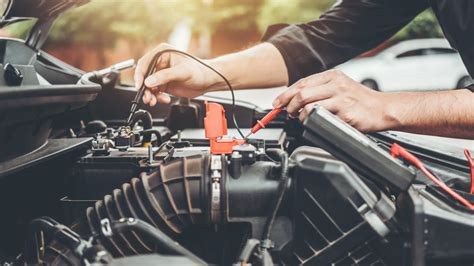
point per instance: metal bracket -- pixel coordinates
(216, 175)
(374, 220)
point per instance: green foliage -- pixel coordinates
(235, 15)
(20, 29)
(296, 11)
(101, 23)
(424, 25)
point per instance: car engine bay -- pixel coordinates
(79, 185)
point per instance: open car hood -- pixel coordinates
(45, 11)
(15, 10)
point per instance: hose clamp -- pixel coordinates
(216, 175)
(106, 228)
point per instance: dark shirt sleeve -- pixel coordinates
(470, 87)
(348, 29)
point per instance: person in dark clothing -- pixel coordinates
(301, 56)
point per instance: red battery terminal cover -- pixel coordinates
(215, 127)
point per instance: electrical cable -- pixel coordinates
(398, 151)
(471, 167)
(152, 68)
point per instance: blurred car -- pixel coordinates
(420, 64)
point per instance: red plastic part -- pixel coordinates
(215, 124)
(215, 127)
(265, 120)
(471, 166)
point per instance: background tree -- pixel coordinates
(230, 24)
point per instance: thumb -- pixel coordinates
(165, 76)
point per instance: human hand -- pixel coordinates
(359, 106)
(177, 75)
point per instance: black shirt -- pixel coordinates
(352, 27)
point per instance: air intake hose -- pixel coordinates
(181, 193)
(170, 198)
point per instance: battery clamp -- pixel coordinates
(215, 127)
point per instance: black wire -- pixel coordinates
(281, 194)
(152, 68)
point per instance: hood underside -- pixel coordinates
(41, 9)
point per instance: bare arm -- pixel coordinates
(443, 113)
(260, 66)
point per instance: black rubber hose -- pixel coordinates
(147, 120)
(156, 235)
(170, 198)
(147, 134)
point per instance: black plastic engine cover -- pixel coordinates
(338, 218)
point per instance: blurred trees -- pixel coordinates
(277, 11)
(101, 23)
(233, 24)
(424, 26)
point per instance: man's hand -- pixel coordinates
(177, 75)
(258, 67)
(359, 106)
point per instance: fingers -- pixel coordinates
(147, 97)
(141, 68)
(144, 62)
(165, 76)
(153, 99)
(312, 81)
(155, 96)
(328, 104)
(159, 97)
(308, 95)
(158, 81)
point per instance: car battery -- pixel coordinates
(267, 137)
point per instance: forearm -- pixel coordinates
(261, 66)
(444, 113)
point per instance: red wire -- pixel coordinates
(399, 151)
(471, 166)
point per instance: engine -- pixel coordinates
(265, 199)
(178, 201)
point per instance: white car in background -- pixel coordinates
(419, 64)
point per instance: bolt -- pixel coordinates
(150, 154)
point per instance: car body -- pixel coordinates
(419, 64)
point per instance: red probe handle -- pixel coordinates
(265, 120)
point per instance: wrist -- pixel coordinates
(214, 82)
(392, 113)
